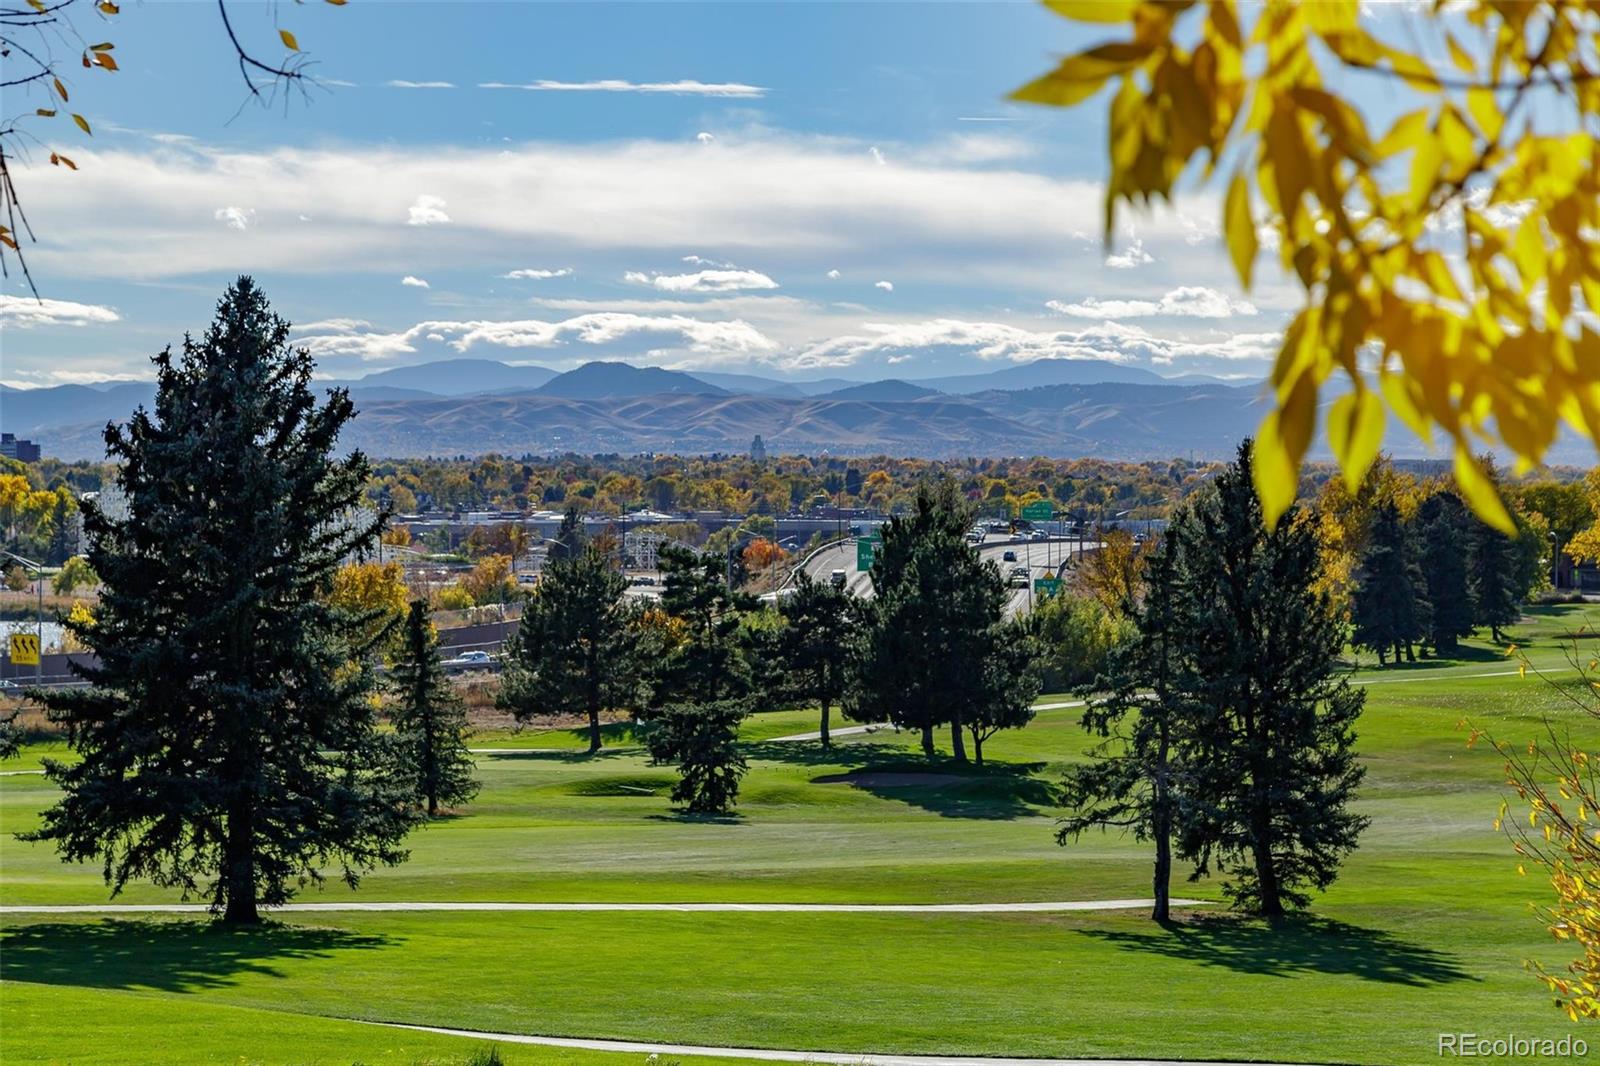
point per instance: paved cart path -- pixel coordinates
(826, 1058)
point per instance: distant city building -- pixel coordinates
(28, 452)
(758, 450)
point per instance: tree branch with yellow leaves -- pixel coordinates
(1450, 264)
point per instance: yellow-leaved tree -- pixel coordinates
(1450, 260)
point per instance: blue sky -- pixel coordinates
(796, 190)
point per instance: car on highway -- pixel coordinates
(1018, 578)
(837, 579)
(642, 579)
(1038, 534)
(471, 658)
(1008, 556)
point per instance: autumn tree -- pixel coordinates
(1447, 262)
(227, 742)
(74, 574)
(489, 581)
(1111, 574)
(430, 721)
(375, 592)
(575, 650)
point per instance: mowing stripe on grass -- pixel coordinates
(820, 908)
(830, 1058)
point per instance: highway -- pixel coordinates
(1043, 559)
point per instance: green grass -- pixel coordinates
(1425, 932)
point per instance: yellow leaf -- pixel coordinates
(44, 112)
(1459, 55)
(1240, 228)
(288, 41)
(1407, 132)
(1486, 112)
(1479, 492)
(37, 5)
(61, 90)
(83, 124)
(1355, 429)
(1081, 76)
(1078, 10)
(337, 3)
(8, 242)
(103, 46)
(108, 8)
(62, 161)
(1280, 445)
(105, 60)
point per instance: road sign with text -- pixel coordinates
(24, 649)
(864, 551)
(1039, 511)
(1047, 586)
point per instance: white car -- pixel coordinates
(473, 657)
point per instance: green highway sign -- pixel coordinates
(1039, 511)
(1047, 586)
(864, 548)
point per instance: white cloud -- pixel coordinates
(886, 286)
(534, 274)
(1109, 341)
(617, 85)
(333, 325)
(834, 275)
(427, 211)
(1190, 301)
(733, 338)
(413, 282)
(703, 280)
(877, 156)
(703, 137)
(700, 260)
(397, 84)
(794, 200)
(23, 312)
(1133, 256)
(234, 217)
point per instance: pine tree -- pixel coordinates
(814, 643)
(1269, 750)
(227, 743)
(1440, 529)
(63, 542)
(574, 651)
(1493, 580)
(932, 625)
(1387, 609)
(570, 539)
(1133, 779)
(710, 665)
(430, 722)
(702, 739)
(1009, 683)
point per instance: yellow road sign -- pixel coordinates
(24, 649)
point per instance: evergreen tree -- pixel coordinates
(1133, 780)
(1268, 750)
(814, 643)
(702, 739)
(63, 543)
(1387, 609)
(1494, 578)
(570, 539)
(430, 722)
(710, 665)
(1440, 529)
(932, 626)
(1004, 697)
(227, 741)
(574, 651)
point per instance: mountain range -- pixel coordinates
(1055, 407)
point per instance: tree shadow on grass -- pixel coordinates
(177, 955)
(1292, 946)
(996, 791)
(576, 755)
(844, 752)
